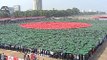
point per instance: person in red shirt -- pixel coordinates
(33, 56)
(15, 58)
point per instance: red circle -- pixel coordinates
(55, 25)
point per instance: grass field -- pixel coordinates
(75, 41)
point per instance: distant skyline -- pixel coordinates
(96, 5)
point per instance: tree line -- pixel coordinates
(4, 12)
(47, 13)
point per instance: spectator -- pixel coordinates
(2, 56)
(5, 57)
(33, 56)
(27, 57)
(10, 46)
(35, 50)
(15, 58)
(51, 54)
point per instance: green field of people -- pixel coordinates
(75, 41)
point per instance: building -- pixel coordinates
(17, 8)
(37, 4)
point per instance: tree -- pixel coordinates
(5, 11)
(75, 11)
(69, 12)
(1, 13)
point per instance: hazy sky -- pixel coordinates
(100, 5)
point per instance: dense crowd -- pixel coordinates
(31, 53)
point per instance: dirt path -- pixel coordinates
(103, 56)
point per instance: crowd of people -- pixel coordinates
(31, 53)
(31, 56)
(4, 57)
